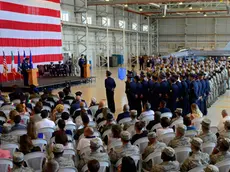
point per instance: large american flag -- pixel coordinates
(31, 25)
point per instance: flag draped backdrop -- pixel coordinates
(31, 26)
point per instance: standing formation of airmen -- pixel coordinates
(179, 83)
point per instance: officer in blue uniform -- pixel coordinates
(25, 67)
(194, 94)
(110, 86)
(150, 87)
(178, 83)
(138, 95)
(81, 64)
(144, 89)
(76, 103)
(130, 90)
(164, 87)
(207, 91)
(184, 95)
(173, 95)
(155, 100)
(199, 102)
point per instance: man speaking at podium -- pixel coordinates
(25, 66)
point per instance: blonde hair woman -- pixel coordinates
(196, 113)
(57, 112)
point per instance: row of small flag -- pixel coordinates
(13, 69)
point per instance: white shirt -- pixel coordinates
(162, 131)
(45, 123)
(221, 123)
(146, 113)
(69, 121)
(78, 120)
(85, 142)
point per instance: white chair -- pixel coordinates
(197, 169)
(101, 124)
(85, 151)
(3, 119)
(40, 143)
(16, 101)
(136, 159)
(71, 127)
(35, 100)
(107, 133)
(69, 153)
(55, 98)
(92, 124)
(6, 112)
(67, 169)
(47, 108)
(5, 164)
(18, 132)
(47, 131)
(166, 138)
(147, 119)
(197, 123)
(103, 167)
(182, 153)
(191, 133)
(131, 130)
(167, 114)
(25, 119)
(115, 145)
(224, 166)
(70, 101)
(176, 123)
(1, 102)
(156, 126)
(67, 107)
(34, 160)
(51, 103)
(214, 129)
(155, 157)
(7, 107)
(142, 143)
(208, 147)
(125, 120)
(10, 147)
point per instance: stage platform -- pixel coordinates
(48, 82)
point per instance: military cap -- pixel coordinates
(58, 148)
(169, 151)
(78, 93)
(152, 135)
(211, 168)
(197, 142)
(18, 157)
(133, 112)
(125, 135)
(206, 123)
(95, 143)
(227, 123)
(181, 128)
(179, 110)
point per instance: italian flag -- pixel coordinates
(13, 70)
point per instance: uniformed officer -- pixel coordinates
(180, 139)
(164, 87)
(81, 64)
(206, 135)
(155, 94)
(179, 84)
(211, 168)
(110, 86)
(138, 95)
(226, 133)
(25, 67)
(194, 93)
(184, 95)
(197, 157)
(173, 96)
(18, 163)
(169, 161)
(206, 94)
(130, 90)
(144, 89)
(76, 103)
(150, 87)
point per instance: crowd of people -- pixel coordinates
(165, 112)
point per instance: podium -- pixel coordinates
(33, 77)
(86, 70)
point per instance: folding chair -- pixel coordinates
(154, 157)
(67, 169)
(92, 124)
(35, 100)
(16, 101)
(47, 108)
(107, 133)
(67, 107)
(131, 130)
(142, 143)
(18, 132)
(156, 126)
(71, 127)
(197, 123)
(1, 102)
(7, 107)
(103, 167)
(191, 133)
(47, 131)
(166, 138)
(10, 147)
(214, 129)
(40, 143)
(25, 119)
(182, 153)
(115, 145)
(197, 169)
(70, 101)
(101, 124)
(208, 147)
(5, 164)
(51, 103)
(3, 119)
(147, 119)
(69, 153)
(34, 160)
(224, 165)
(85, 151)
(167, 114)
(125, 120)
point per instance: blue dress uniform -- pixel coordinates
(207, 90)
(179, 104)
(194, 94)
(144, 90)
(25, 67)
(150, 89)
(203, 101)
(199, 94)
(185, 97)
(81, 63)
(130, 90)
(110, 85)
(164, 90)
(173, 97)
(155, 100)
(138, 95)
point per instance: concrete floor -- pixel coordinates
(97, 90)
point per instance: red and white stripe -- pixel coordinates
(31, 25)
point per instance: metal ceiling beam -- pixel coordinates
(180, 17)
(182, 11)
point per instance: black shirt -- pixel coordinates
(138, 136)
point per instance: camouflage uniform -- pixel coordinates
(166, 167)
(219, 157)
(179, 141)
(225, 134)
(208, 137)
(22, 169)
(8, 138)
(64, 162)
(195, 160)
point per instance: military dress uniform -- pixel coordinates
(144, 91)
(25, 67)
(110, 85)
(18, 157)
(155, 101)
(185, 97)
(173, 97)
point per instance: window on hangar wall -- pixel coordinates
(121, 24)
(64, 15)
(104, 21)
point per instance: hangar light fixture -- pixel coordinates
(140, 8)
(205, 14)
(198, 12)
(126, 5)
(180, 3)
(190, 7)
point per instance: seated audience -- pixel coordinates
(18, 163)
(93, 166)
(61, 128)
(85, 121)
(45, 122)
(226, 133)
(133, 115)
(188, 123)
(211, 168)
(43, 99)
(178, 119)
(197, 158)
(57, 112)
(128, 164)
(140, 132)
(66, 117)
(206, 135)
(31, 130)
(147, 111)
(6, 100)
(153, 145)
(126, 150)
(224, 118)
(63, 139)
(76, 103)
(5, 154)
(169, 161)
(223, 151)
(26, 145)
(157, 120)
(12, 115)
(101, 106)
(124, 114)
(109, 123)
(17, 125)
(93, 106)
(180, 139)
(58, 150)
(51, 166)
(39, 104)
(7, 137)
(37, 114)
(20, 109)
(78, 119)
(103, 116)
(165, 122)
(68, 95)
(163, 108)
(116, 134)
(61, 96)
(195, 112)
